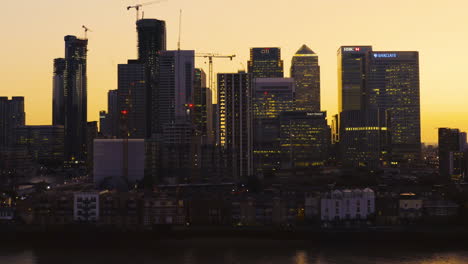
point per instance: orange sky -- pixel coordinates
(32, 36)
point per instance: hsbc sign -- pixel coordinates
(351, 49)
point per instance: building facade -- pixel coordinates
(58, 97)
(265, 63)
(305, 71)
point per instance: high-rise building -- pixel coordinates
(12, 116)
(393, 86)
(151, 40)
(270, 98)
(381, 91)
(44, 144)
(75, 95)
(304, 139)
(452, 155)
(203, 109)
(235, 123)
(113, 112)
(305, 71)
(104, 124)
(58, 97)
(131, 99)
(351, 77)
(265, 63)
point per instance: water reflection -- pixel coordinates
(233, 252)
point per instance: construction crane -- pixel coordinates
(210, 57)
(86, 29)
(139, 6)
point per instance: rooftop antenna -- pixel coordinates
(180, 29)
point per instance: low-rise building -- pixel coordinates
(347, 206)
(410, 208)
(86, 207)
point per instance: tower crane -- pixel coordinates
(86, 29)
(140, 6)
(210, 57)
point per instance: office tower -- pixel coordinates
(235, 123)
(364, 141)
(151, 40)
(113, 112)
(58, 97)
(271, 97)
(203, 107)
(304, 139)
(44, 144)
(12, 115)
(452, 155)
(265, 63)
(131, 100)
(91, 134)
(305, 71)
(104, 124)
(176, 158)
(393, 86)
(75, 95)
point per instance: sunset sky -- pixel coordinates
(33, 31)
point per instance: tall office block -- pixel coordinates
(151, 40)
(270, 98)
(305, 71)
(203, 107)
(452, 155)
(12, 116)
(104, 124)
(44, 144)
(131, 100)
(75, 95)
(235, 123)
(58, 102)
(351, 77)
(113, 112)
(393, 86)
(265, 63)
(304, 139)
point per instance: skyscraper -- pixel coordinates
(393, 86)
(58, 97)
(304, 139)
(75, 95)
(12, 116)
(235, 123)
(131, 99)
(151, 40)
(270, 98)
(305, 71)
(113, 112)
(265, 63)
(452, 155)
(351, 77)
(203, 112)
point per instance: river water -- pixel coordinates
(236, 252)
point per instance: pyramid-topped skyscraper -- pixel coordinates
(306, 73)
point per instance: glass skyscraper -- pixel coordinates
(75, 97)
(305, 71)
(265, 63)
(58, 103)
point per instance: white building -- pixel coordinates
(86, 207)
(347, 205)
(110, 170)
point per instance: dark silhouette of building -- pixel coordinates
(265, 63)
(270, 98)
(203, 109)
(12, 116)
(58, 97)
(452, 155)
(44, 144)
(151, 40)
(75, 97)
(393, 86)
(305, 71)
(131, 99)
(235, 124)
(304, 139)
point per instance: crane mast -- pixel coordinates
(210, 57)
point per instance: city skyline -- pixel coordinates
(416, 30)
